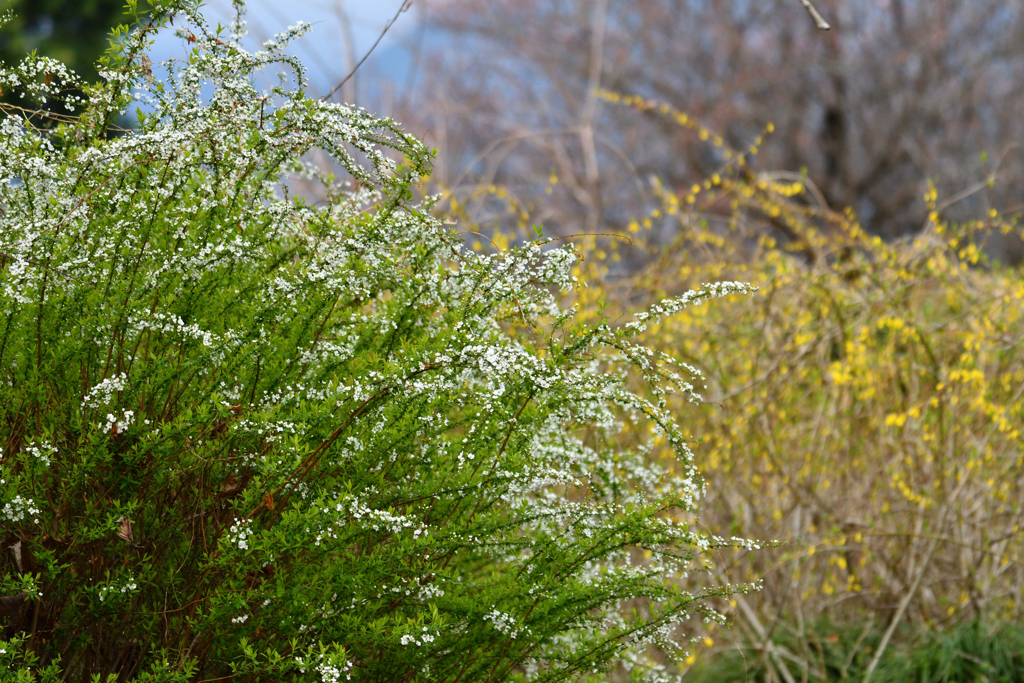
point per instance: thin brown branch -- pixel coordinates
(405, 6)
(819, 20)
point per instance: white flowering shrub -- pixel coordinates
(249, 437)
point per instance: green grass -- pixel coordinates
(971, 653)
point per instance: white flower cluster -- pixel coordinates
(19, 508)
(103, 393)
(330, 668)
(240, 532)
(418, 639)
(173, 324)
(116, 424)
(330, 673)
(694, 296)
(505, 623)
(103, 592)
(41, 451)
(40, 77)
(422, 593)
(382, 519)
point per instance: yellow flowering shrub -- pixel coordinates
(865, 408)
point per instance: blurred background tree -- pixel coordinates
(899, 92)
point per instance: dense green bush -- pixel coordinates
(249, 437)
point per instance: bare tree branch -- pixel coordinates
(819, 20)
(405, 6)
(847, 111)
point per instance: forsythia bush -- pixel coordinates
(247, 437)
(871, 408)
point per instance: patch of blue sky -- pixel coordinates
(343, 31)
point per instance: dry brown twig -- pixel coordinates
(819, 20)
(404, 8)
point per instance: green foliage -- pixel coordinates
(245, 435)
(968, 653)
